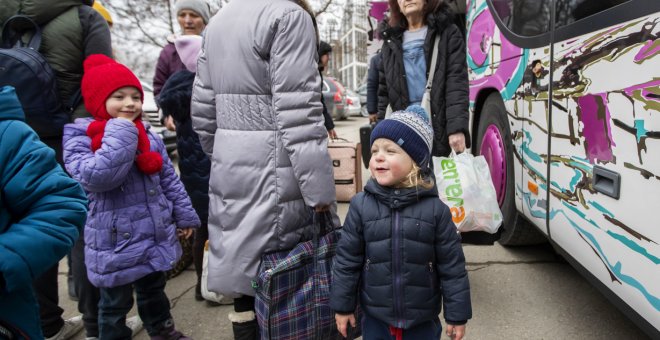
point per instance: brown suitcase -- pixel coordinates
(347, 168)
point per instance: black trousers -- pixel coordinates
(201, 236)
(88, 294)
(152, 304)
(46, 290)
(45, 286)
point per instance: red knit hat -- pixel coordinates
(102, 77)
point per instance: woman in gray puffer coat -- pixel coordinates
(256, 107)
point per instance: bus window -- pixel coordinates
(569, 11)
(526, 18)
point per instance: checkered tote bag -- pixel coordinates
(293, 289)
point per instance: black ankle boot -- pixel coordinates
(198, 291)
(248, 330)
(71, 287)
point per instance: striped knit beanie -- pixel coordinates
(411, 129)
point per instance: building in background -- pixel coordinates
(354, 41)
(350, 52)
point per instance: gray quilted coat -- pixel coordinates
(256, 107)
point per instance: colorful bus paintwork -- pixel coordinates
(565, 103)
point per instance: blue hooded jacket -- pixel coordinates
(41, 212)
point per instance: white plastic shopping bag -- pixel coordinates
(206, 294)
(464, 184)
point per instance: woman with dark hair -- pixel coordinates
(404, 70)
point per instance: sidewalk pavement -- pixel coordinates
(194, 318)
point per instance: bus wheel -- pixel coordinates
(494, 143)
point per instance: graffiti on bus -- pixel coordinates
(594, 122)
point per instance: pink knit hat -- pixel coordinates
(188, 47)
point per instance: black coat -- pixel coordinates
(327, 117)
(404, 248)
(194, 164)
(449, 91)
(373, 83)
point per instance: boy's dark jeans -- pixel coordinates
(373, 329)
(152, 303)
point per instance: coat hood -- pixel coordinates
(10, 107)
(174, 98)
(397, 198)
(438, 20)
(43, 11)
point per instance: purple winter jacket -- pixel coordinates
(169, 63)
(132, 219)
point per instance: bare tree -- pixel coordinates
(142, 27)
(323, 8)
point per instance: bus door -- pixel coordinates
(511, 49)
(532, 19)
(605, 147)
(526, 99)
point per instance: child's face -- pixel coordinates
(389, 164)
(125, 103)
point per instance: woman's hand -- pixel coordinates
(169, 123)
(455, 332)
(342, 321)
(457, 142)
(185, 232)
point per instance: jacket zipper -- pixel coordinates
(398, 292)
(114, 232)
(431, 275)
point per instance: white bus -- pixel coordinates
(565, 103)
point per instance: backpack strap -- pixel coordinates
(14, 29)
(74, 100)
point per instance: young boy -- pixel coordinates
(400, 241)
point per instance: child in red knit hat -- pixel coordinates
(137, 202)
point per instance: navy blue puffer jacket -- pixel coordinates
(195, 166)
(404, 248)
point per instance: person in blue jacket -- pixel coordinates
(400, 242)
(41, 212)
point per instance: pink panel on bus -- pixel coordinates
(481, 36)
(595, 118)
(649, 50)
